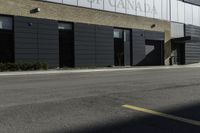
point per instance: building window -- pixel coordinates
(65, 26)
(6, 23)
(118, 33)
(122, 46)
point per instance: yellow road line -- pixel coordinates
(188, 121)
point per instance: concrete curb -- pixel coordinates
(94, 70)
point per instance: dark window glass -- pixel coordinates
(6, 23)
(118, 33)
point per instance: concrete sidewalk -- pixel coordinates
(54, 71)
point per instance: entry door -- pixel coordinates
(66, 45)
(6, 46)
(119, 52)
(178, 54)
(122, 47)
(119, 47)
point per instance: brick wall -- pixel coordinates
(75, 14)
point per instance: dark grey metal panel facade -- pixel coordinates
(154, 35)
(36, 40)
(26, 46)
(104, 46)
(84, 39)
(93, 45)
(127, 47)
(48, 42)
(196, 2)
(192, 50)
(127, 54)
(138, 46)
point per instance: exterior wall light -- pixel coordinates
(30, 24)
(153, 26)
(35, 10)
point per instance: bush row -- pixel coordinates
(22, 66)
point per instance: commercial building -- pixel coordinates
(86, 33)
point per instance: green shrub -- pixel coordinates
(37, 66)
(40, 66)
(2, 67)
(44, 66)
(12, 67)
(26, 67)
(23, 66)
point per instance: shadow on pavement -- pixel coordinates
(148, 124)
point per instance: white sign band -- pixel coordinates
(169, 10)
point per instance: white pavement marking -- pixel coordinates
(172, 117)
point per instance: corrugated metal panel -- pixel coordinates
(104, 46)
(192, 50)
(36, 40)
(25, 35)
(48, 42)
(84, 36)
(154, 35)
(93, 45)
(138, 46)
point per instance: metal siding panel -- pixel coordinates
(127, 54)
(104, 46)
(36, 39)
(84, 36)
(94, 45)
(154, 35)
(48, 34)
(27, 39)
(192, 50)
(138, 46)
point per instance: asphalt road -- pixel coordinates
(92, 102)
